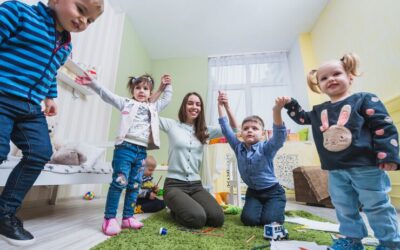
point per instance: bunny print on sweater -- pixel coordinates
(353, 132)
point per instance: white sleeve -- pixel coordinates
(165, 99)
(108, 96)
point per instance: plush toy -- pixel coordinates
(68, 155)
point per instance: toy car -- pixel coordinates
(275, 231)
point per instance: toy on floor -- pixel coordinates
(231, 209)
(89, 196)
(138, 209)
(275, 231)
(222, 198)
(163, 231)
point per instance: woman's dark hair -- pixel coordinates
(133, 81)
(200, 128)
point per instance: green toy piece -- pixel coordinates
(231, 209)
(160, 192)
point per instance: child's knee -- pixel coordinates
(120, 181)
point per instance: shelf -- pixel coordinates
(76, 70)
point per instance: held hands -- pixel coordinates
(222, 99)
(280, 102)
(165, 81)
(388, 166)
(50, 107)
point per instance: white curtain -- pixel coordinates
(252, 83)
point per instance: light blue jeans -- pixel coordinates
(127, 174)
(367, 187)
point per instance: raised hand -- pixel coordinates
(280, 102)
(165, 80)
(84, 80)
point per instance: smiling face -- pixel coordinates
(192, 108)
(252, 132)
(334, 81)
(76, 15)
(142, 91)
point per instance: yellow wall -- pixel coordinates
(370, 29)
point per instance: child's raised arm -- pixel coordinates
(105, 94)
(224, 103)
(166, 89)
(165, 81)
(280, 102)
(296, 112)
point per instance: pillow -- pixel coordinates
(91, 152)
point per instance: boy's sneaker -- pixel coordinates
(12, 230)
(111, 227)
(346, 244)
(131, 222)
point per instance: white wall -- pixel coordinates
(298, 82)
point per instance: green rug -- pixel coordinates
(234, 236)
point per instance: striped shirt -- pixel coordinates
(29, 55)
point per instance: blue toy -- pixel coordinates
(275, 231)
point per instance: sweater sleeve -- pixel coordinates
(279, 135)
(297, 114)
(384, 132)
(9, 19)
(228, 132)
(165, 99)
(108, 96)
(166, 124)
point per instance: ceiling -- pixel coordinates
(196, 28)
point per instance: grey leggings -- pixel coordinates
(191, 205)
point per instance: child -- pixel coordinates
(357, 142)
(34, 42)
(139, 131)
(265, 198)
(147, 201)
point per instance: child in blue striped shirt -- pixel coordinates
(34, 42)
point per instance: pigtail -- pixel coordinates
(312, 81)
(350, 64)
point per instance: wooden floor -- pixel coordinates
(69, 225)
(76, 224)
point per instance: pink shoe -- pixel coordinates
(131, 222)
(111, 227)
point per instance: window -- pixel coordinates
(252, 83)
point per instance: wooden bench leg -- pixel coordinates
(53, 197)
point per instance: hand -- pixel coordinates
(388, 166)
(84, 80)
(50, 107)
(165, 80)
(223, 99)
(280, 102)
(152, 196)
(155, 189)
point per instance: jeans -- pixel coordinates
(127, 174)
(366, 187)
(23, 123)
(264, 206)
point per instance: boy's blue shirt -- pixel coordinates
(255, 164)
(29, 56)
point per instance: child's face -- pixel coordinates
(252, 132)
(148, 171)
(334, 81)
(76, 15)
(142, 92)
(193, 108)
